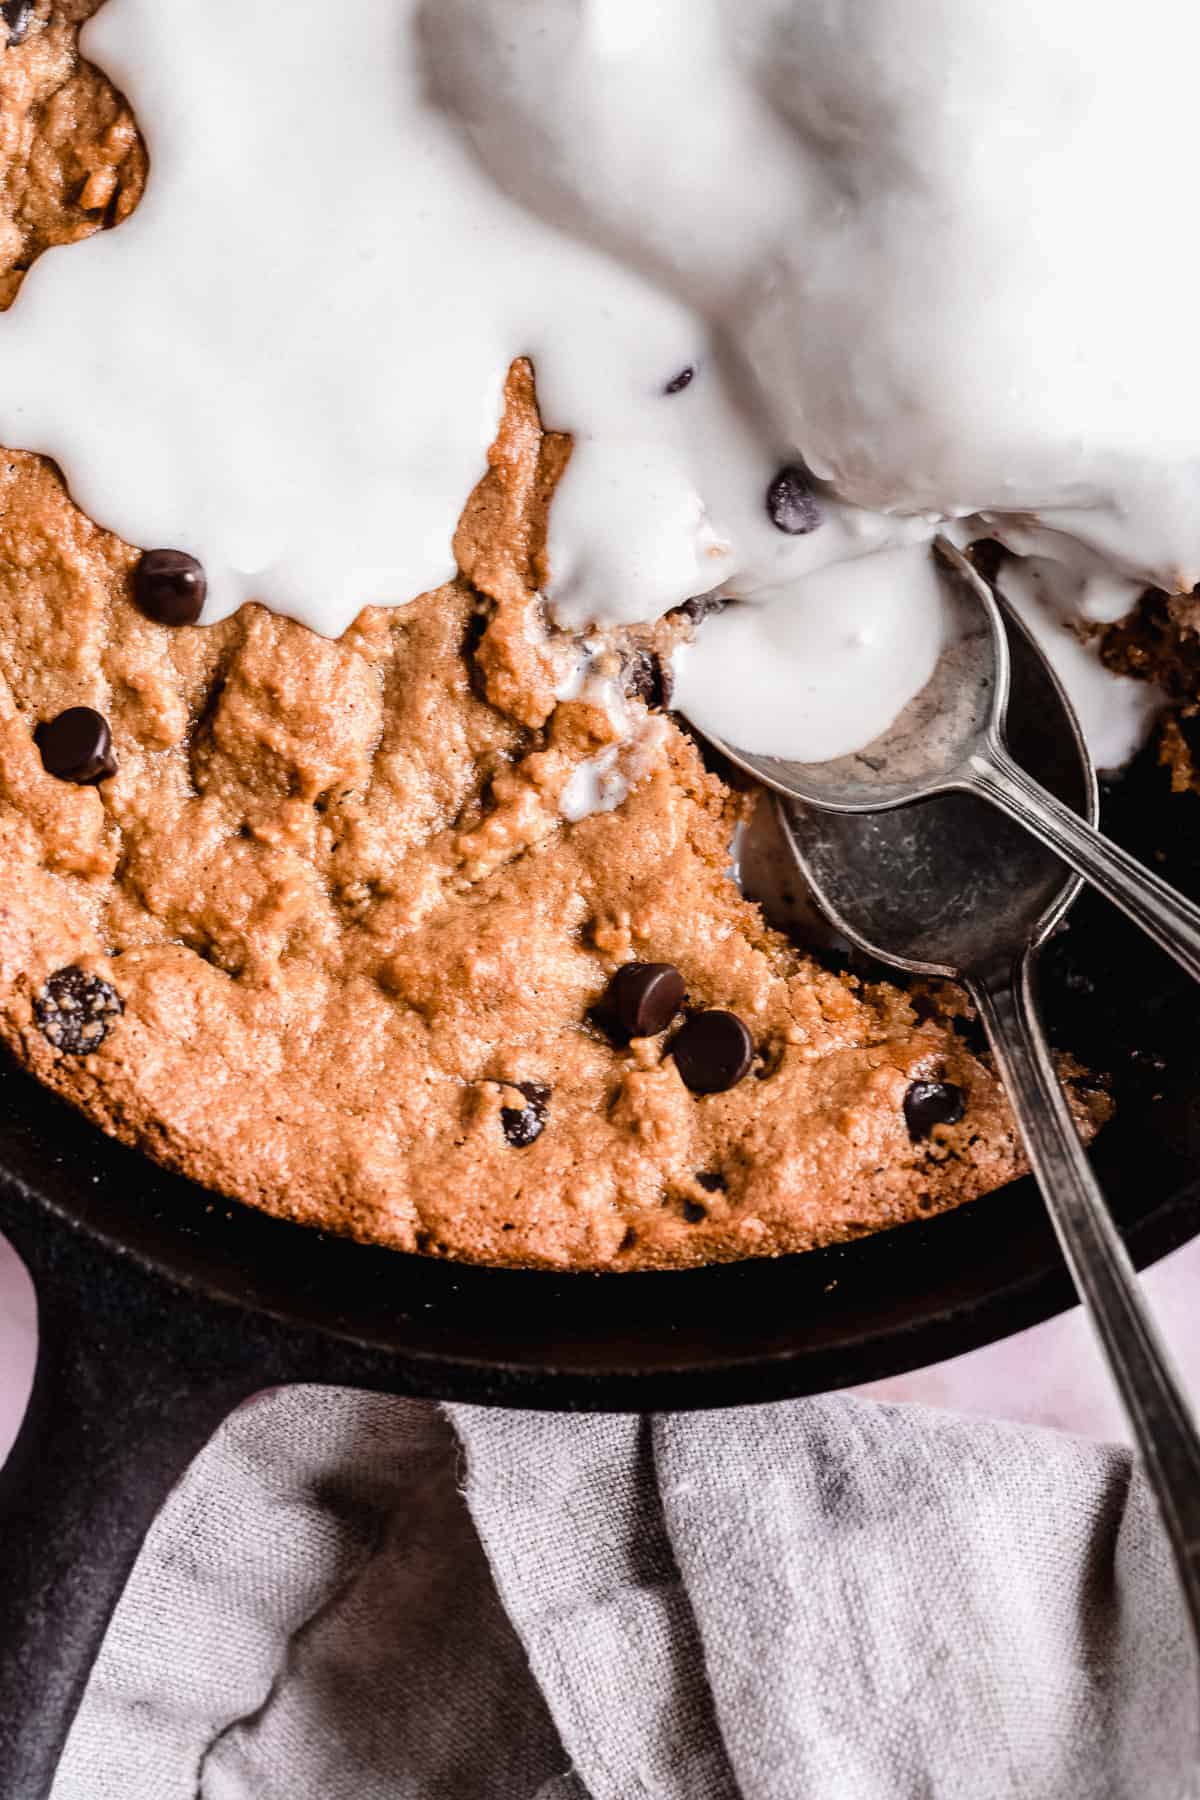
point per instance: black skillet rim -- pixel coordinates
(857, 1313)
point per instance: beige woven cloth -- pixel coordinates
(351, 1597)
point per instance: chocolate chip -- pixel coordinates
(711, 1180)
(930, 1103)
(522, 1124)
(169, 587)
(701, 605)
(678, 382)
(693, 1212)
(76, 1011)
(17, 15)
(77, 746)
(643, 998)
(791, 502)
(643, 677)
(712, 1051)
(988, 555)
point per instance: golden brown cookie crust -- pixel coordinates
(333, 888)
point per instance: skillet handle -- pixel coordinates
(116, 1414)
(134, 1374)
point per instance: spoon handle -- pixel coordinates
(1163, 1425)
(1163, 913)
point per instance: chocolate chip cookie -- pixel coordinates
(327, 926)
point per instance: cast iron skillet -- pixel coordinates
(161, 1307)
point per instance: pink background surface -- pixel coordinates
(1051, 1375)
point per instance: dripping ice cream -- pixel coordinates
(936, 249)
(933, 257)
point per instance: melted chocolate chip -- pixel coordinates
(791, 503)
(712, 1051)
(930, 1103)
(169, 587)
(76, 1011)
(988, 556)
(17, 15)
(678, 382)
(522, 1124)
(643, 998)
(644, 678)
(77, 746)
(701, 605)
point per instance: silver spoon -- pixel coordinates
(946, 888)
(951, 738)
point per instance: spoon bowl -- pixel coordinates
(948, 885)
(929, 744)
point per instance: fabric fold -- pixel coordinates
(896, 1603)
(567, 1508)
(312, 1618)
(352, 1597)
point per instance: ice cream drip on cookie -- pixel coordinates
(805, 285)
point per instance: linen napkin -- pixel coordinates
(352, 1597)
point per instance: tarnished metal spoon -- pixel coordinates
(947, 887)
(951, 739)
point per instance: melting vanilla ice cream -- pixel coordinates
(806, 279)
